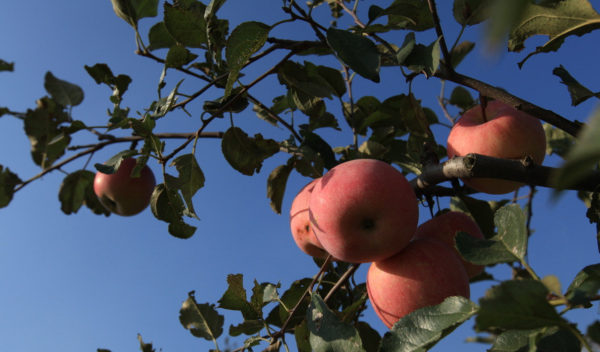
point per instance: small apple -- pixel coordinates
(444, 227)
(423, 274)
(300, 224)
(122, 194)
(504, 133)
(363, 210)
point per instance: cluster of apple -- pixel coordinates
(365, 211)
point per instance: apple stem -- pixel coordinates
(483, 101)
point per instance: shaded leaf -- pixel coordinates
(582, 156)
(133, 10)
(422, 328)
(593, 332)
(235, 299)
(191, 180)
(179, 56)
(370, 337)
(77, 189)
(546, 339)
(414, 117)
(159, 37)
(202, 320)
(517, 304)
(245, 40)
(424, 59)
(167, 205)
(318, 144)
(459, 52)
(479, 210)
(246, 154)
(145, 347)
(186, 24)
(578, 93)
(248, 327)
(276, 183)
(470, 12)
(406, 48)
(6, 66)
(356, 51)
(557, 141)
(8, 182)
(585, 286)
(63, 92)
(328, 332)
(302, 335)
(555, 18)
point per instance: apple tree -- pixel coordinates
(317, 74)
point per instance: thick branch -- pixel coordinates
(481, 166)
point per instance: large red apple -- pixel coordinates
(122, 194)
(444, 228)
(424, 274)
(300, 224)
(363, 210)
(505, 133)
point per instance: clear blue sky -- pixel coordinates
(82, 282)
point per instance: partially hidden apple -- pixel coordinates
(423, 274)
(363, 210)
(504, 133)
(122, 194)
(444, 228)
(300, 224)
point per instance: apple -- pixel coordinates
(300, 223)
(363, 210)
(504, 133)
(122, 194)
(423, 274)
(444, 227)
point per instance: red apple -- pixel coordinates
(300, 224)
(444, 228)
(363, 210)
(122, 194)
(505, 133)
(423, 274)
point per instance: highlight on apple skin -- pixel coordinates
(300, 223)
(122, 194)
(444, 228)
(507, 133)
(423, 274)
(363, 210)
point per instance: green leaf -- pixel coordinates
(134, 10)
(191, 178)
(302, 335)
(290, 299)
(167, 205)
(582, 157)
(512, 229)
(235, 299)
(111, 166)
(415, 15)
(545, 339)
(585, 286)
(459, 52)
(202, 320)
(483, 252)
(213, 7)
(215, 106)
(461, 98)
(164, 105)
(328, 332)
(370, 337)
(477, 209)
(470, 12)
(414, 117)
(555, 18)
(179, 56)
(408, 11)
(424, 59)
(422, 328)
(63, 92)
(276, 183)
(578, 93)
(245, 40)
(557, 141)
(159, 37)
(6, 66)
(517, 304)
(318, 144)
(356, 51)
(74, 189)
(42, 126)
(186, 24)
(246, 154)
(248, 327)
(593, 332)
(406, 49)
(8, 182)
(145, 347)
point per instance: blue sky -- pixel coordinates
(82, 282)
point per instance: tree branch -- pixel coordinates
(481, 166)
